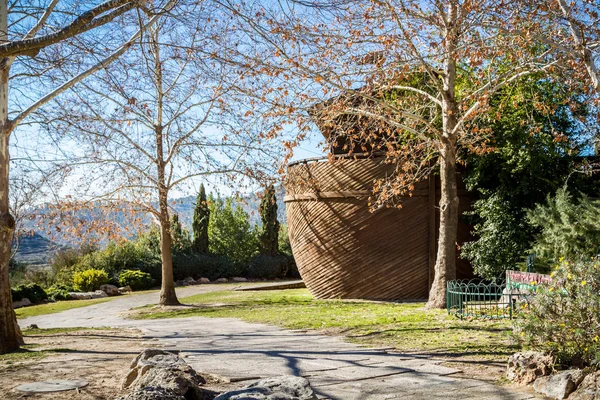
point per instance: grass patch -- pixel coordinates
(404, 326)
(57, 331)
(51, 308)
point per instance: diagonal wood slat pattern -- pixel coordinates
(345, 251)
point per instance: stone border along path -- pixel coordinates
(243, 351)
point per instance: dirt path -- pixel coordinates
(243, 352)
(100, 357)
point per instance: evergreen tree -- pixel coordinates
(180, 236)
(230, 232)
(568, 228)
(269, 236)
(200, 223)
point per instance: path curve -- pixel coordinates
(243, 351)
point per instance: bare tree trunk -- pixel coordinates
(10, 334)
(168, 297)
(445, 264)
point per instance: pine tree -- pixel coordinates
(269, 236)
(200, 223)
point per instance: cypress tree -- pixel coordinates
(269, 236)
(178, 234)
(200, 223)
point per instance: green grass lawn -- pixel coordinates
(404, 326)
(51, 308)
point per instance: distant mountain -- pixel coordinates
(37, 250)
(251, 204)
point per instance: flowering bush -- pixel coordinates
(563, 318)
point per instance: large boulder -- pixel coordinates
(285, 387)
(110, 290)
(588, 389)
(203, 280)
(524, 368)
(559, 386)
(159, 369)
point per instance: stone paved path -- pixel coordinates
(243, 351)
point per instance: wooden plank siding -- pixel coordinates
(345, 251)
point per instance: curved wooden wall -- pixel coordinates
(344, 251)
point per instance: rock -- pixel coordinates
(98, 294)
(125, 289)
(222, 280)
(285, 387)
(588, 389)
(32, 326)
(180, 283)
(239, 279)
(204, 280)
(190, 281)
(152, 394)
(524, 368)
(159, 369)
(80, 296)
(21, 303)
(110, 290)
(560, 385)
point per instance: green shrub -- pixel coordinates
(65, 261)
(31, 291)
(268, 267)
(204, 266)
(89, 280)
(59, 292)
(569, 227)
(136, 279)
(293, 271)
(563, 318)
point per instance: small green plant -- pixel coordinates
(135, 279)
(31, 291)
(89, 280)
(59, 292)
(563, 318)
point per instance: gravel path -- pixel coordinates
(242, 351)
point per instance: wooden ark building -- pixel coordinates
(345, 251)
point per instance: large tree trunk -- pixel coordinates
(168, 297)
(10, 335)
(445, 265)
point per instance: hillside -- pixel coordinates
(36, 250)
